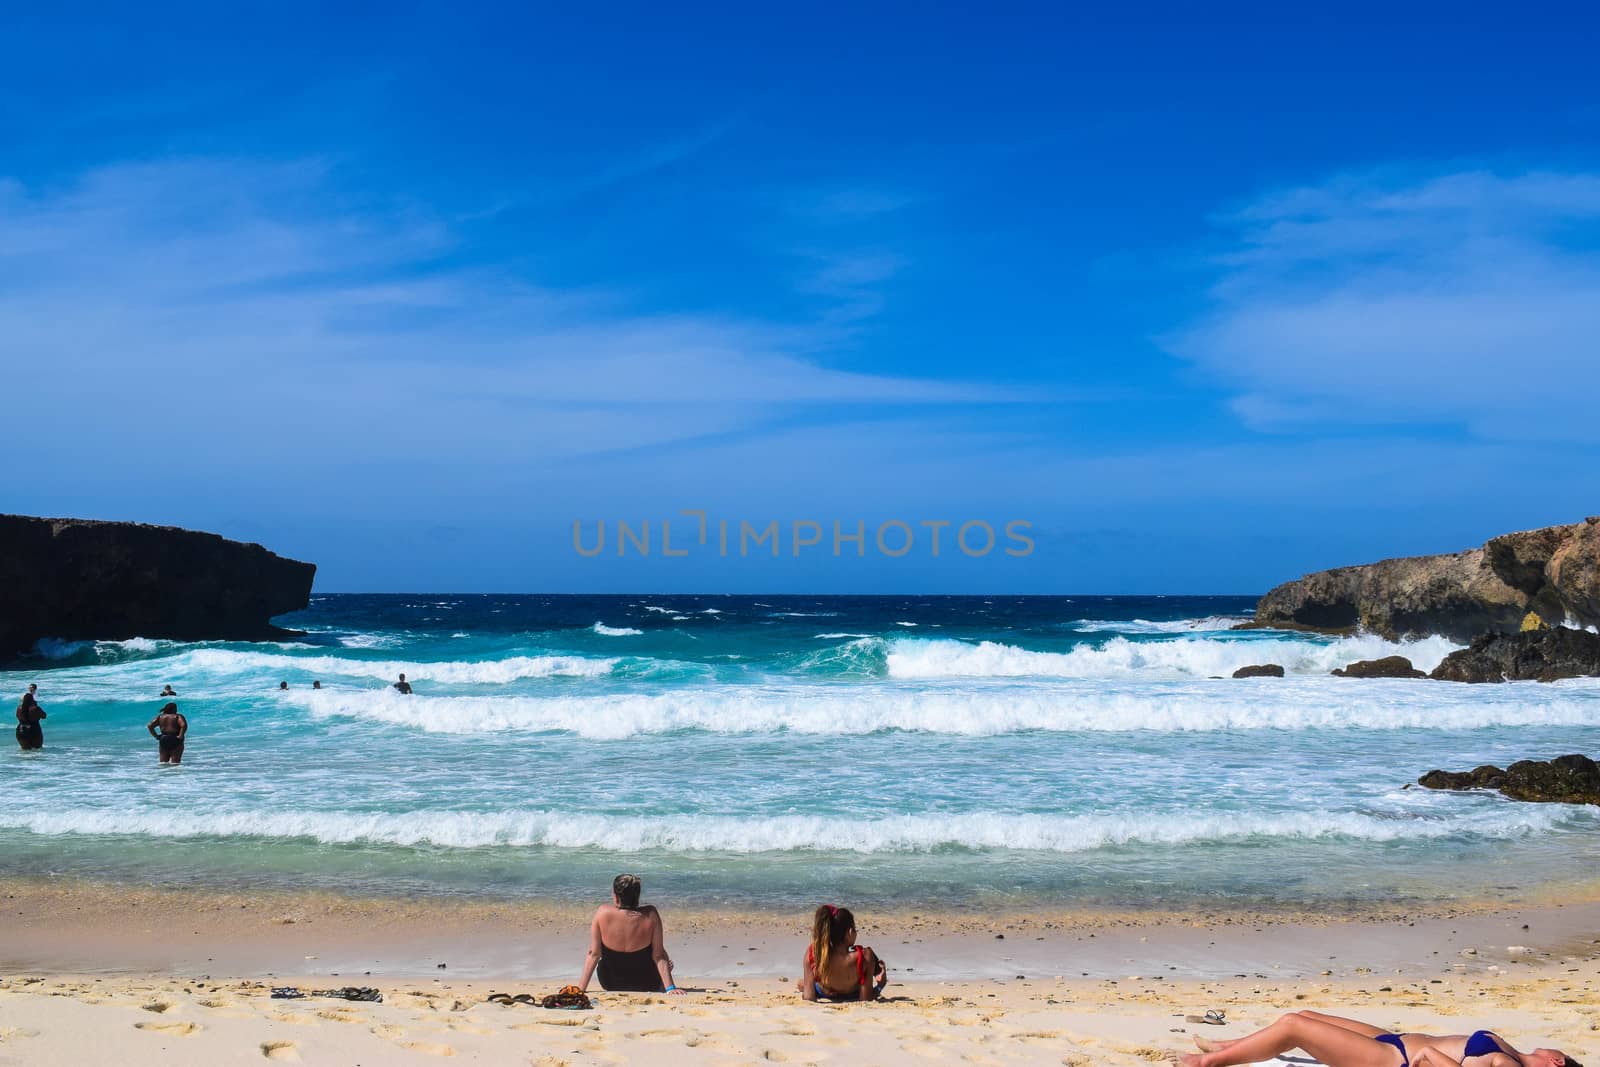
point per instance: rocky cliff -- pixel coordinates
(1553, 572)
(82, 580)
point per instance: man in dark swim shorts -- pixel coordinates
(169, 728)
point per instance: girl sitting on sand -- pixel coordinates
(836, 968)
(1339, 1042)
(627, 944)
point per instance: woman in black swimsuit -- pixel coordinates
(1340, 1042)
(170, 729)
(30, 735)
(627, 944)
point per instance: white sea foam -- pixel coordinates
(983, 708)
(363, 641)
(458, 672)
(711, 611)
(658, 610)
(1192, 657)
(51, 648)
(615, 631)
(1174, 626)
(835, 637)
(986, 830)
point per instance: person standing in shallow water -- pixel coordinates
(403, 686)
(30, 735)
(170, 729)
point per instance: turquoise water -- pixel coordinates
(772, 751)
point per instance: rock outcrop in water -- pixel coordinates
(1552, 572)
(1571, 779)
(1260, 670)
(80, 580)
(1535, 655)
(1387, 667)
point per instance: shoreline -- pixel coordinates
(74, 927)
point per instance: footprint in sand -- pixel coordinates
(469, 1028)
(10, 1033)
(660, 1035)
(338, 1016)
(551, 1061)
(431, 1048)
(174, 1029)
(160, 1007)
(284, 1051)
(556, 1020)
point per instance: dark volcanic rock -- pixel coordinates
(1387, 667)
(1486, 777)
(1259, 670)
(1537, 655)
(1571, 779)
(83, 580)
(1553, 572)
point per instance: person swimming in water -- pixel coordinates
(627, 944)
(403, 686)
(283, 687)
(173, 729)
(1341, 1042)
(835, 967)
(316, 685)
(168, 691)
(30, 735)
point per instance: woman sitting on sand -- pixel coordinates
(835, 967)
(1339, 1042)
(627, 949)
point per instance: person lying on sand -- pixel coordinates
(30, 735)
(627, 944)
(173, 728)
(835, 967)
(1339, 1042)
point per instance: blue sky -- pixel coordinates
(1209, 297)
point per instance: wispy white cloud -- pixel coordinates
(210, 306)
(1467, 297)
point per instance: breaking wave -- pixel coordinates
(978, 831)
(1190, 657)
(984, 709)
(615, 631)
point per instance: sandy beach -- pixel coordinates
(100, 974)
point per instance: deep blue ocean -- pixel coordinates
(771, 751)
